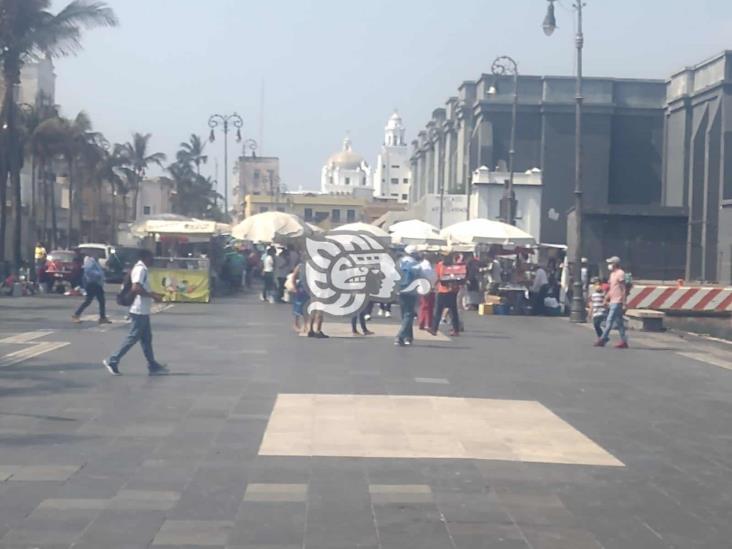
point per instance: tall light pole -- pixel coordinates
(215, 121)
(503, 66)
(577, 313)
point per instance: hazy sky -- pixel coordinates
(331, 66)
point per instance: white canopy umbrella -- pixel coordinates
(416, 232)
(373, 230)
(270, 227)
(486, 231)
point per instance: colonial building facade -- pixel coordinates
(393, 172)
(623, 150)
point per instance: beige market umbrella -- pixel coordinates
(416, 232)
(269, 227)
(486, 231)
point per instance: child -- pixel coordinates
(300, 298)
(596, 306)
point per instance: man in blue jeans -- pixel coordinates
(616, 298)
(410, 271)
(140, 316)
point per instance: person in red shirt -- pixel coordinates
(447, 292)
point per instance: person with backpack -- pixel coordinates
(616, 299)
(93, 280)
(410, 271)
(138, 295)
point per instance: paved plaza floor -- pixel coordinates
(516, 435)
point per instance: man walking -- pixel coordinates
(409, 268)
(140, 316)
(616, 298)
(93, 277)
(447, 291)
(268, 274)
(40, 254)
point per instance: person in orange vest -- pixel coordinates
(447, 291)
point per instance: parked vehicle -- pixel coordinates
(115, 260)
(60, 265)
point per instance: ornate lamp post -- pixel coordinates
(550, 24)
(503, 66)
(215, 121)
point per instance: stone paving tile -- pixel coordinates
(193, 533)
(77, 504)
(480, 535)
(45, 472)
(117, 528)
(400, 493)
(45, 531)
(144, 500)
(276, 492)
(262, 523)
(212, 494)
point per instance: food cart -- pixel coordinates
(184, 250)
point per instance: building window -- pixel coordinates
(395, 194)
(350, 216)
(257, 175)
(308, 214)
(348, 180)
(395, 167)
(320, 216)
(330, 180)
(395, 181)
(146, 210)
(335, 216)
(263, 209)
(404, 197)
(405, 181)
(281, 209)
(363, 182)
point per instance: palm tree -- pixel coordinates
(138, 159)
(191, 152)
(28, 29)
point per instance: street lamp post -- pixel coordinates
(577, 313)
(224, 120)
(502, 66)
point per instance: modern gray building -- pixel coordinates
(626, 211)
(698, 163)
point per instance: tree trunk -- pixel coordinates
(44, 187)
(113, 236)
(54, 218)
(33, 211)
(135, 198)
(18, 205)
(71, 204)
(3, 205)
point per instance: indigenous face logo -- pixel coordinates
(346, 270)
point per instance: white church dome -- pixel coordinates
(346, 158)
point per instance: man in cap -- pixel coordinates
(410, 271)
(616, 299)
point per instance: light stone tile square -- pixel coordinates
(387, 426)
(144, 500)
(203, 533)
(74, 504)
(45, 472)
(400, 493)
(432, 380)
(272, 492)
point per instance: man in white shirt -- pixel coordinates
(268, 273)
(539, 291)
(140, 310)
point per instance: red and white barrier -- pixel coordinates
(685, 298)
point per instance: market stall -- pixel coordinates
(272, 228)
(503, 250)
(184, 248)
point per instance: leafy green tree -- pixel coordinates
(28, 29)
(138, 159)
